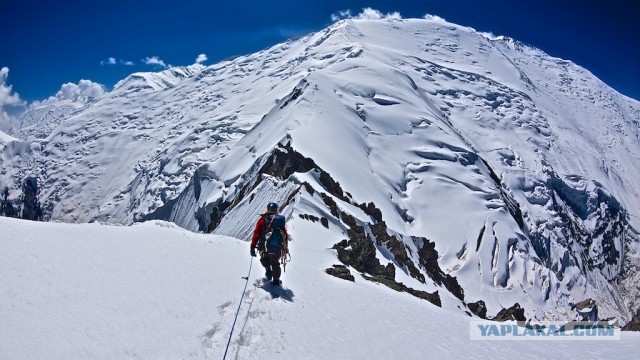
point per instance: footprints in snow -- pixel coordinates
(216, 337)
(249, 331)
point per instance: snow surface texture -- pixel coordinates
(155, 291)
(520, 167)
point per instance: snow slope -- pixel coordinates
(483, 169)
(5, 138)
(154, 291)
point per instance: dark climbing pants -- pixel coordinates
(271, 261)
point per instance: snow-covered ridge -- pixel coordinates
(518, 168)
(156, 81)
(5, 138)
(153, 290)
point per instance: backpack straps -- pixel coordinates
(270, 222)
(262, 243)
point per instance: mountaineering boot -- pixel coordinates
(276, 282)
(268, 274)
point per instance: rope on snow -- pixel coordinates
(238, 311)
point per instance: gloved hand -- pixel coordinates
(252, 252)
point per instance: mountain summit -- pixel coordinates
(480, 174)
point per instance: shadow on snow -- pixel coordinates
(277, 292)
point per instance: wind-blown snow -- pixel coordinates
(157, 291)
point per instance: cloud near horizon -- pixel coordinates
(435, 18)
(373, 14)
(10, 103)
(85, 89)
(201, 58)
(12, 106)
(155, 61)
(366, 14)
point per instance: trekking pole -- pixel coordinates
(238, 311)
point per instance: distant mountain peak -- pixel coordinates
(157, 81)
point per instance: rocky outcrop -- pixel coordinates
(429, 260)
(510, 202)
(634, 324)
(295, 93)
(514, 313)
(324, 221)
(479, 308)
(397, 248)
(360, 253)
(433, 298)
(427, 254)
(6, 207)
(371, 210)
(311, 218)
(587, 310)
(283, 162)
(340, 271)
(29, 208)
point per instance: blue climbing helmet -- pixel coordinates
(272, 206)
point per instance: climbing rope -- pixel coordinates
(285, 255)
(238, 311)
(285, 258)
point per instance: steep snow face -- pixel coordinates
(41, 119)
(511, 172)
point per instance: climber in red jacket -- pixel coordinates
(271, 239)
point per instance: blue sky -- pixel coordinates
(47, 43)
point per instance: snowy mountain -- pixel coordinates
(480, 174)
(153, 290)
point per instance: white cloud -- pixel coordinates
(366, 14)
(109, 61)
(85, 89)
(156, 61)
(373, 14)
(489, 35)
(343, 14)
(201, 58)
(114, 61)
(435, 18)
(11, 106)
(6, 97)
